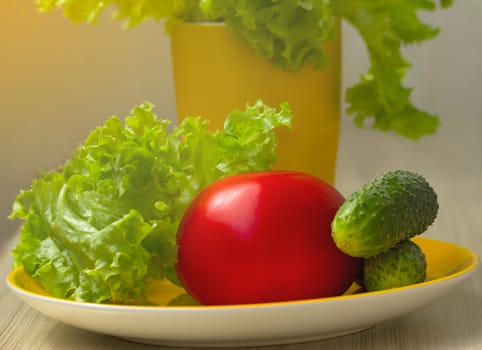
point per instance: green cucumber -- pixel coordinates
(402, 265)
(396, 206)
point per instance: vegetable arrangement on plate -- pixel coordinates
(139, 202)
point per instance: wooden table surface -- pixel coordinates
(453, 322)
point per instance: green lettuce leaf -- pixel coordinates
(289, 32)
(133, 12)
(387, 26)
(101, 226)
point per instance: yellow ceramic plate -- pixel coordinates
(259, 324)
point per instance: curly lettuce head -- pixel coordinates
(104, 224)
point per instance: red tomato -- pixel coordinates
(263, 237)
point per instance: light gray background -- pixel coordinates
(59, 80)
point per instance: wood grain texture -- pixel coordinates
(453, 322)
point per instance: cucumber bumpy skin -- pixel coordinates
(402, 265)
(396, 206)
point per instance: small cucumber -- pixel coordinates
(402, 265)
(396, 206)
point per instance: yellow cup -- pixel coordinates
(214, 73)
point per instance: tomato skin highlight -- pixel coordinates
(263, 237)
